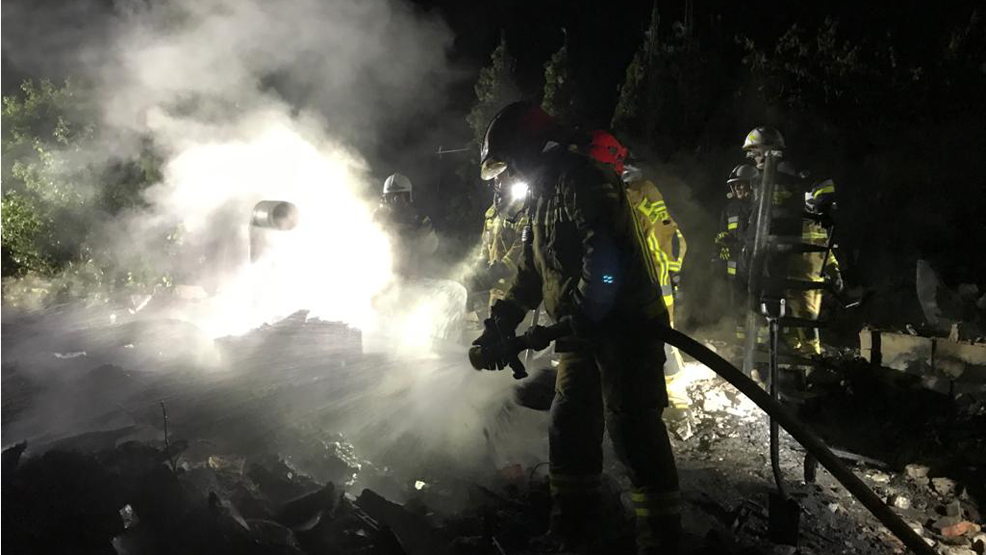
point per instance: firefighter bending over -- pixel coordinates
(586, 258)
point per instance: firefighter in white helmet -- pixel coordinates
(412, 234)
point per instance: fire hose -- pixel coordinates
(812, 443)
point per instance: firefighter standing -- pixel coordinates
(733, 226)
(805, 206)
(501, 245)
(586, 259)
(664, 238)
(665, 242)
(411, 232)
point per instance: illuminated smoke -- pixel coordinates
(331, 264)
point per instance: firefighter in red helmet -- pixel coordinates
(587, 259)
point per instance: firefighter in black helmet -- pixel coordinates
(586, 258)
(733, 236)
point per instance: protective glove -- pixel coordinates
(722, 238)
(537, 338)
(675, 279)
(724, 253)
(500, 326)
(492, 346)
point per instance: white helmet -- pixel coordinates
(397, 183)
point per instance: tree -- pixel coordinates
(46, 130)
(61, 185)
(495, 89)
(559, 98)
(635, 101)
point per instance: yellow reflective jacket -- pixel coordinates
(501, 243)
(665, 241)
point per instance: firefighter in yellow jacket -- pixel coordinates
(586, 258)
(796, 193)
(501, 245)
(665, 241)
(664, 238)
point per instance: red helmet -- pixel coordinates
(516, 135)
(606, 149)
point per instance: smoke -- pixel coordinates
(249, 101)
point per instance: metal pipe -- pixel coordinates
(758, 258)
(775, 443)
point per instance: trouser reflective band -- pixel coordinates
(651, 504)
(574, 484)
(731, 267)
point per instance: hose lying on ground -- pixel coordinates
(748, 387)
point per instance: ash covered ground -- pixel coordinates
(144, 436)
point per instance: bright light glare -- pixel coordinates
(332, 263)
(518, 190)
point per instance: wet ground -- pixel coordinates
(144, 437)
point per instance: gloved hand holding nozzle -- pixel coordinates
(499, 347)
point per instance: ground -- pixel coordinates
(144, 437)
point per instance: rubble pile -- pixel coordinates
(259, 460)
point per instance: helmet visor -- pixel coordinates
(491, 168)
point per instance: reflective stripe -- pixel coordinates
(731, 270)
(574, 484)
(665, 277)
(674, 266)
(654, 211)
(813, 235)
(732, 225)
(653, 504)
(642, 240)
(828, 187)
(643, 496)
(669, 300)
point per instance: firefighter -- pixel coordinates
(664, 237)
(501, 246)
(412, 235)
(585, 257)
(665, 241)
(796, 193)
(732, 238)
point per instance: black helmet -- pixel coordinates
(514, 138)
(743, 172)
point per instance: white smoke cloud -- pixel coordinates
(254, 100)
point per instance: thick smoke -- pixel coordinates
(249, 101)
(254, 100)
